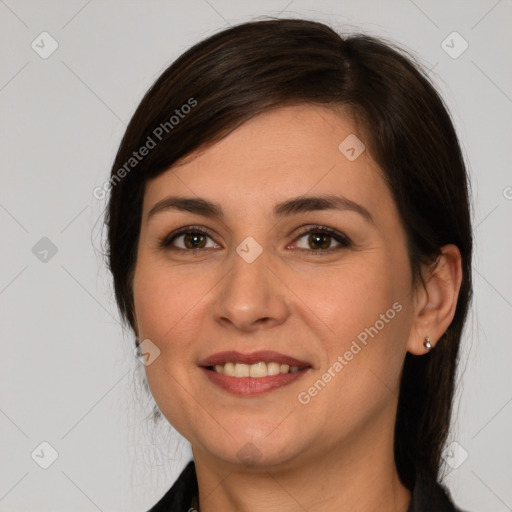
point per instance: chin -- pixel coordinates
(262, 448)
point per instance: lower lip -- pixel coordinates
(249, 386)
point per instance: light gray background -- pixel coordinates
(68, 374)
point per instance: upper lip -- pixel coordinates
(232, 356)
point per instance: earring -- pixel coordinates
(137, 349)
(427, 343)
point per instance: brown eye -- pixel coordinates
(320, 239)
(188, 239)
(194, 240)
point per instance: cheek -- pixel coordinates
(349, 299)
(359, 377)
(163, 302)
(163, 297)
(363, 330)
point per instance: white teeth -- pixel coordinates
(273, 368)
(241, 370)
(257, 370)
(229, 369)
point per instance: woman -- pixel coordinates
(290, 241)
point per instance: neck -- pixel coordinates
(360, 475)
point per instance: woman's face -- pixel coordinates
(263, 276)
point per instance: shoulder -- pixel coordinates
(179, 496)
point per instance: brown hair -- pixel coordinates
(253, 67)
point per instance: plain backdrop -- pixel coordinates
(71, 394)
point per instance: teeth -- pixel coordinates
(273, 368)
(242, 370)
(229, 369)
(257, 370)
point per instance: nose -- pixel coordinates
(251, 296)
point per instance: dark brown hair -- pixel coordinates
(253, 67)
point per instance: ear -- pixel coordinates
(436, 299)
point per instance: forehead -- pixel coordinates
(286, 152)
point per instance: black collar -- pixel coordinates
(427, 495)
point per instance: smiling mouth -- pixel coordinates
(251, 380)
(257, 370)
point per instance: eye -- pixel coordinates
(189, 238)
(319, 239)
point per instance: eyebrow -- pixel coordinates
(297, 205)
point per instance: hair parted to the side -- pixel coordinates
(253, 67)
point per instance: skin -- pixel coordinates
(335, 452)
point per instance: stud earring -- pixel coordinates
(427, 343)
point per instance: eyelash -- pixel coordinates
(342, 239)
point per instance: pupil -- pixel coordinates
(194, 238)
(321, 239)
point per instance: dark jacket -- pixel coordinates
(427, 496)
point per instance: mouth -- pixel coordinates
(254, 373)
